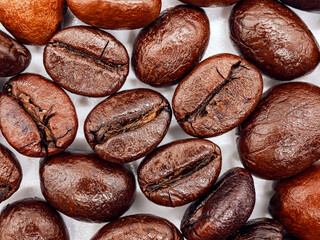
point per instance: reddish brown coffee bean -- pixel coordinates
(273, 38)
(259, 229)
(180, 172)
(210, 3)
(10, 173)
(86, 61)
(170, 47)
(109, 14)
(32, 21)
(281, 137)
(137, 227)
(14, 57)
(128, 125)
(217, 95)
(31, 219)
(307, 5)
(224, 210)
(296, 205)
(85, 187)
(37, 117)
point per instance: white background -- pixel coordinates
(219, 43)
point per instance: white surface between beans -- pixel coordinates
(219, 43)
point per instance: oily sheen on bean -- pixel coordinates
(180, 172)
(210, 3)
(217, 95)
(85, 187)
(169, 48)
(307, 5)
(139, 227)
(273, 38)
(281, 137)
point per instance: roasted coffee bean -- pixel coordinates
(259, 229)
(10, 173)
(217, 95)
(178, 173)
(32, 21)
(296, 205)
(210, 3)
(281, 137)
(110, 14)
(14, 57)
(224, 210)
(170, 47)
(31, 219)
(86, 61)
(138, 227)
(37, 117)
(128, 125)
(85, 187)
(273, 38)
(307, 5)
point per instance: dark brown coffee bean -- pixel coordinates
(32, 21)
(14, 57)
(37, 117)
(169, 48)
(296, 205)
(10, 173)
(31, 219)
(128, 125)
(86, 61)
(210, 3)
(85, 187)
(180, 172)
(137, 227)
(281, 137)
(217, 95)
(307, 5)
(273, 38)
(224, 210)
(259, 229)
(122, 14)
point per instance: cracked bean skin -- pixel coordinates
(273, 38)
(178, 173)
(259, 229)
(128, 125)
(139, 227)
(210, 3)
(217, 95)
(120, 14)
(296, 205)
(307, 5)
(85, 187)
(281, 137)
(169, 48)
(221, 213)
(37, 117)
(10, 173)
(97, 69)
(31, 219)
(14, 57)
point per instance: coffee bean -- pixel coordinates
(31, 219)
(273, 38)
(32, 21)
(296, 205)
(37, 117)
(86, 61)
(178, 173)
(124, 14)
(85, 187)
(170, 47)
(258, 229)
(10, 173)
(128, 125)
(14, 57)
(281, 137)
(224, 210)
(217, 95)
(210, 3)
(139, 226)
(306, 5)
